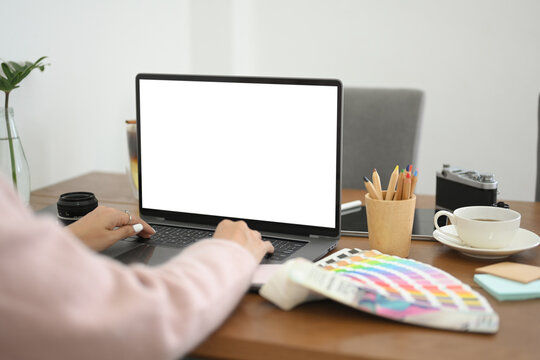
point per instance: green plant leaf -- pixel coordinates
(16, 66)
(7, 70)
(16, 72)
(5, 85)
(40, 60)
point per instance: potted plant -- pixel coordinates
(12, 159)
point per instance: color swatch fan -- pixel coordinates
(388, 286)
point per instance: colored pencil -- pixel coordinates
(399, 189)
(414, 180)
(377, 182)
(406, 187)
(392, 184)
(371, 189)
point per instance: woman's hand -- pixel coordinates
(104, 226)
(240, 233)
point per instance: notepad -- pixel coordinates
(504, 289)
(512, 271)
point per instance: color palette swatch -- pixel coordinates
(400, 289)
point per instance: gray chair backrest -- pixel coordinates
(537, 198)
(380, 130)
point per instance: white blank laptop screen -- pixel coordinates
(244, 150)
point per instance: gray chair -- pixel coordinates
(537, 198)
(380, 130)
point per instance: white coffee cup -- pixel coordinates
(484, 227)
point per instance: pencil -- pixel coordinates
(413, 181)
(399, 189)
(377, 182)
(406, 187)
(371, 189)
(392, 184)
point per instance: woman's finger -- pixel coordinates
(127, 231)
(269, 247)
(147, 230)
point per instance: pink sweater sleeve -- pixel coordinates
(59, 300)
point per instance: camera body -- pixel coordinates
(456, 188)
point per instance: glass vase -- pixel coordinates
(13, 164)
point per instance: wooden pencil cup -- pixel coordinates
(390, 225)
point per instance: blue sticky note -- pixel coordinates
(504, 289)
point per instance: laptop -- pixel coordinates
(259, 149)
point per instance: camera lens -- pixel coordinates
(74, 205)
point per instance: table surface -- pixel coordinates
(324, 329)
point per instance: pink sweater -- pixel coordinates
(60, 300)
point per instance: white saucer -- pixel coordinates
(524, 240)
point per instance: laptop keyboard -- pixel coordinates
(283, 248)
(176, 237)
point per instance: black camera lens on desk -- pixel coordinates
(74, 205)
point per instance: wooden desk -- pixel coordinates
(328, 330)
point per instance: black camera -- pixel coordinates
(74, 205)
(456, 188)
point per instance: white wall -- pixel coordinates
(71, 116)
(477, 62)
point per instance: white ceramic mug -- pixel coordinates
(484, 227)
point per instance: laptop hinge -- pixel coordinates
(311, 236)
(152, 218)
